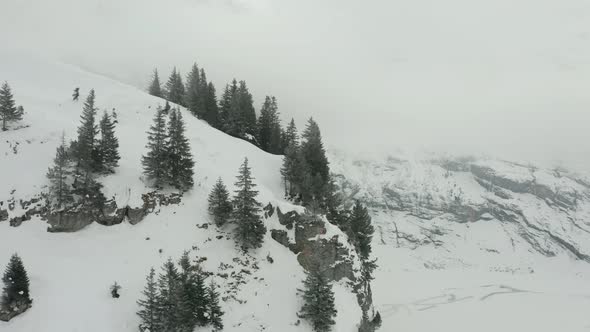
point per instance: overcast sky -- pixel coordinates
(505, 77)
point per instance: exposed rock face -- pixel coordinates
(80, 217)
(77, 217)
(314, 251)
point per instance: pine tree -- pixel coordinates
(290, 170)
(85, 145)
(168, 297)
(318, 305)
(59, 190)
(214, 309)
(229, 115)
(201, 300)
(175, 88)
(246, 110)
(8, 110)
(16, 284)
(179, 158)
(211, 110)
(154, 163)
(155, 88)
(361, 230)
(193, 95)
(291, 138)
(108, 145)
(250, 230)
(149, 306)
(220, 206)
(186, 310)
(269, 127)
(314, 154)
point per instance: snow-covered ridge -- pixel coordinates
(71, 272)
(499, 206)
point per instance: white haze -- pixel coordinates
(502, 77)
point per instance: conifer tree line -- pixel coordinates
(9, 112)
(243, 210)
(234, 113)
(15, 293)
(75, 166)
(179, 300)
(169, 160)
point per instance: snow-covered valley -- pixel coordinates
(461, 244)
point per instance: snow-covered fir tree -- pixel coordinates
(269, 127)
(290, 137)
(16, 285)
(179, 160)
(149, 311)
(108, 145)
(250, 228)
(318, 302)
(155, 88)
(168, 294)
(220, 206)
(60, 193)
(8, 110)
(361, 230)
(193, 93)
(85, 152)
(154, 162)
(211, 109)
(175, 88)
(214, 309)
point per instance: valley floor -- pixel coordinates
(472, 299)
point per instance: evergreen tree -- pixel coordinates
(245, 105)
(269, 127)
(250, 230)
(201, 300)
(291, 138)
(193, 98)
(168, 297)
(220, 206)
(149, 306)
(361, 230)
(291, 170)
(225, 104)
(187, 308)
(59, 190)
(179, 158)
(8, 110)
(154, 163)
(175, 88)
(108, 145)
(211, 110)
(155, 88)
(318, 305)
(16, 284)
(85, 153)
(314, 154)
(214, 309)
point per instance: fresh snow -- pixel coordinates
(70, 273)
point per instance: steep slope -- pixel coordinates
(71, 272)
(474, 244)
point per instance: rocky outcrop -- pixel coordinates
(13, 310)
(77, 217)
(329, 256)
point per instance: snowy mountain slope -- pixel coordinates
(474, 244)
(70, 272)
